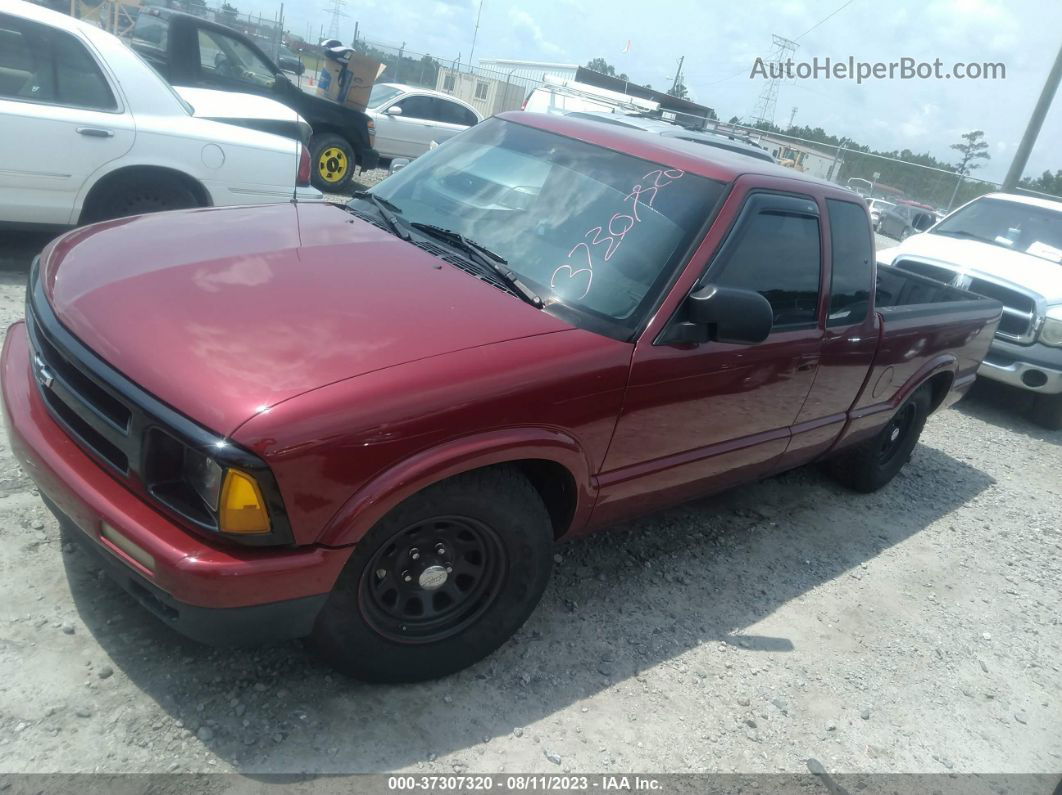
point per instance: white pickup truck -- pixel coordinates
(1006, 247)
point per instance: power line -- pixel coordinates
(836, 11)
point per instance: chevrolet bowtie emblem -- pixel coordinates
(44, 375)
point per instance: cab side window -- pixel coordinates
(852, 267)
(776, 252)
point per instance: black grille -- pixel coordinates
(93, 395)
(97, 419)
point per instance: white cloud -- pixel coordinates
(525, 28)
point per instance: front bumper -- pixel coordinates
(213, 592)
(1034, 368)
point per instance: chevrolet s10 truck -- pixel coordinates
(369, 424)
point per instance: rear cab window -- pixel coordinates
(852, 251)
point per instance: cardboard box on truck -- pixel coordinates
(348, 81)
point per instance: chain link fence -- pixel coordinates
(491, 91)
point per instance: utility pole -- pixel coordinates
(678, 74)
(791, 117)
(1021, 156)
(475, 33)
(355, 43)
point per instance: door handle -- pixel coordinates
(95, 132)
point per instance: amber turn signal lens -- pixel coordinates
(242, 508)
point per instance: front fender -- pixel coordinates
(385, 491)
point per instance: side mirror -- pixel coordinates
(723, 314)
(394, 110)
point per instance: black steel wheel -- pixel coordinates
(871, 464)
(441, 581)
(892, 437)
(432, 579)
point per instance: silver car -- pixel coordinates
(408, 118)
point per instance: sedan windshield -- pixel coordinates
(594, 232)
(381, 92)
(1009, 224)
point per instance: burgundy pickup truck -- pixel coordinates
(369, 424)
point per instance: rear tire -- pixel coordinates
(871, 464)
(1047, 411)
(136, 195)
(441, 581)
(332, 163)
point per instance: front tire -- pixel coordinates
(441, 581)
(1047, 411)
(332, 163)
(871, 464)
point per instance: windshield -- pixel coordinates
(594, 232)
(380, 94)
(1014, 225)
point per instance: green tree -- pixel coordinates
(972, 149)
(605, 68)
(1045, 183)
(734, 120)
(228, 15)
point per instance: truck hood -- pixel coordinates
(983, 259)
(225, 313)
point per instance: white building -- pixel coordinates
(534, 71)
(486, 94)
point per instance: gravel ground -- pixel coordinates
(913, 630)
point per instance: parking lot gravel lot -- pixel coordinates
(784, 625)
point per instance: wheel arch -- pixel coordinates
(553, 462)
(141, 171)
(938, 375)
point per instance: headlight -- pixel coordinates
(203, 475)
(217, 486)
(1051, 331)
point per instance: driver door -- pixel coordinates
(700, 417)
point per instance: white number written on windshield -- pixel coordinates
(574, 278)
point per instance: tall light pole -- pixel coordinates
(475, 33)
(1021, 156)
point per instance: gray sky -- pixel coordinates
(721, 39)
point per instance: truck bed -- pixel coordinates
(925, 326)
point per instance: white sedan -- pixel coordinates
(89, 131)
(408, 119)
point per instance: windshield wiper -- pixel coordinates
(482, 256)
(384, 208)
